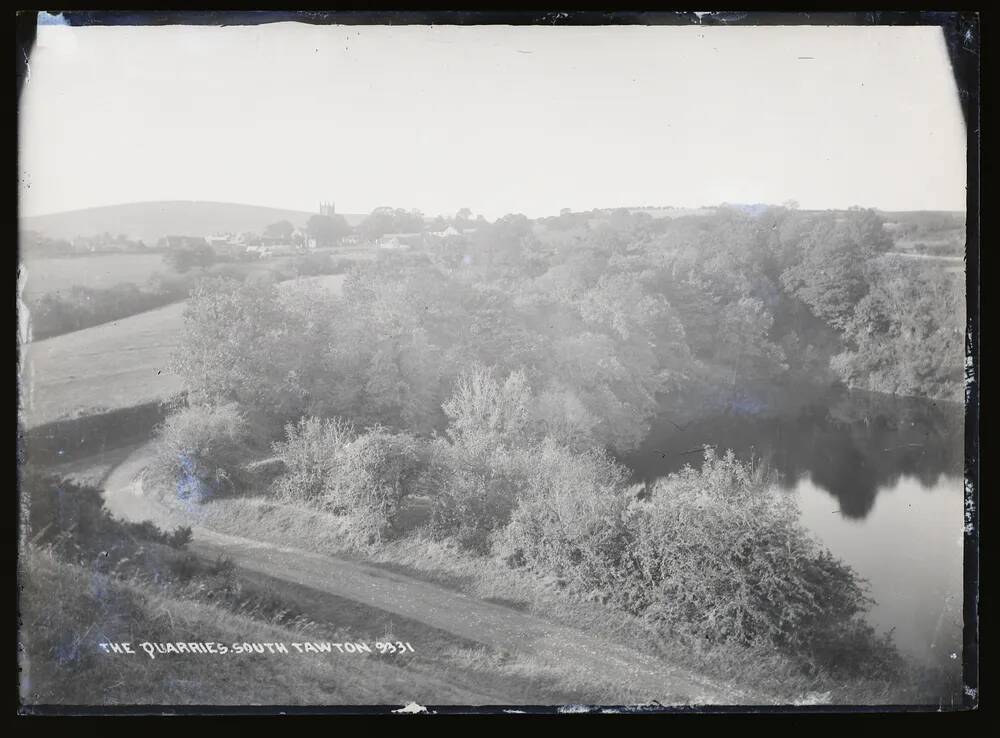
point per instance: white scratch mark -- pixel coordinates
(411, 709)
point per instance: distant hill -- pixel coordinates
(149, 221)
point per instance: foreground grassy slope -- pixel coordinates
(62, 662)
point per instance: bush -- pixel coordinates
(377, 470)
(473, 493)
(365, 476)
(201, 448)
(71, 519)
(570, 519)
(311, 452)
(716, 555)
(477, 478)
(506, 443)
(722, 551)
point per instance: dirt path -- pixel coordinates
(499, 627)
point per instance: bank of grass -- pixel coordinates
(66, 611)
(511, 676)
(62, 662)
(119, 581)
(764, 676)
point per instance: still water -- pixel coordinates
(878, 481)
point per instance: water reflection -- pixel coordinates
(851, 445)
(909, 549)
(878, 481)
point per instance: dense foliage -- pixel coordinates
(364, 475)
(490, 374)
(907, 335)
(202, 449)
(716, 554)
(71, 519)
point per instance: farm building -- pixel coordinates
(400, 240)
(449, 232)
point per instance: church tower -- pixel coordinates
(327, 208)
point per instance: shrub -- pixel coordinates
(472, 493)
(365, 476)
(722, 551)
(311, 451)
(377, 470)
(570, 519)
(71, 519)
(505, 443)
(477, 478)
(716, 555)
(201, 448)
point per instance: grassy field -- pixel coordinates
(96, 271)
(109, 366)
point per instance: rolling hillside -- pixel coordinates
(111, 366)
(149, 221)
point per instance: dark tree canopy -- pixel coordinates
(184, 258)
(327, 229)
(384, 220)
(281, 229)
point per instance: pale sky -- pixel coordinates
(494, 118)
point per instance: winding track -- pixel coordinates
(595, 659)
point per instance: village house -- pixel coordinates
(400, 241)
(449, 232)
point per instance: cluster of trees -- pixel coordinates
(773, 297)
(384, 220)
(462, 220)
(327, 230)
(610, 329)
(391, 348)
(190, 256)
(906, 336)
(494, 377)
(715, 555)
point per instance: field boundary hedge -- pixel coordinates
(73, 438)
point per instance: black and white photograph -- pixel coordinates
(497, 363)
